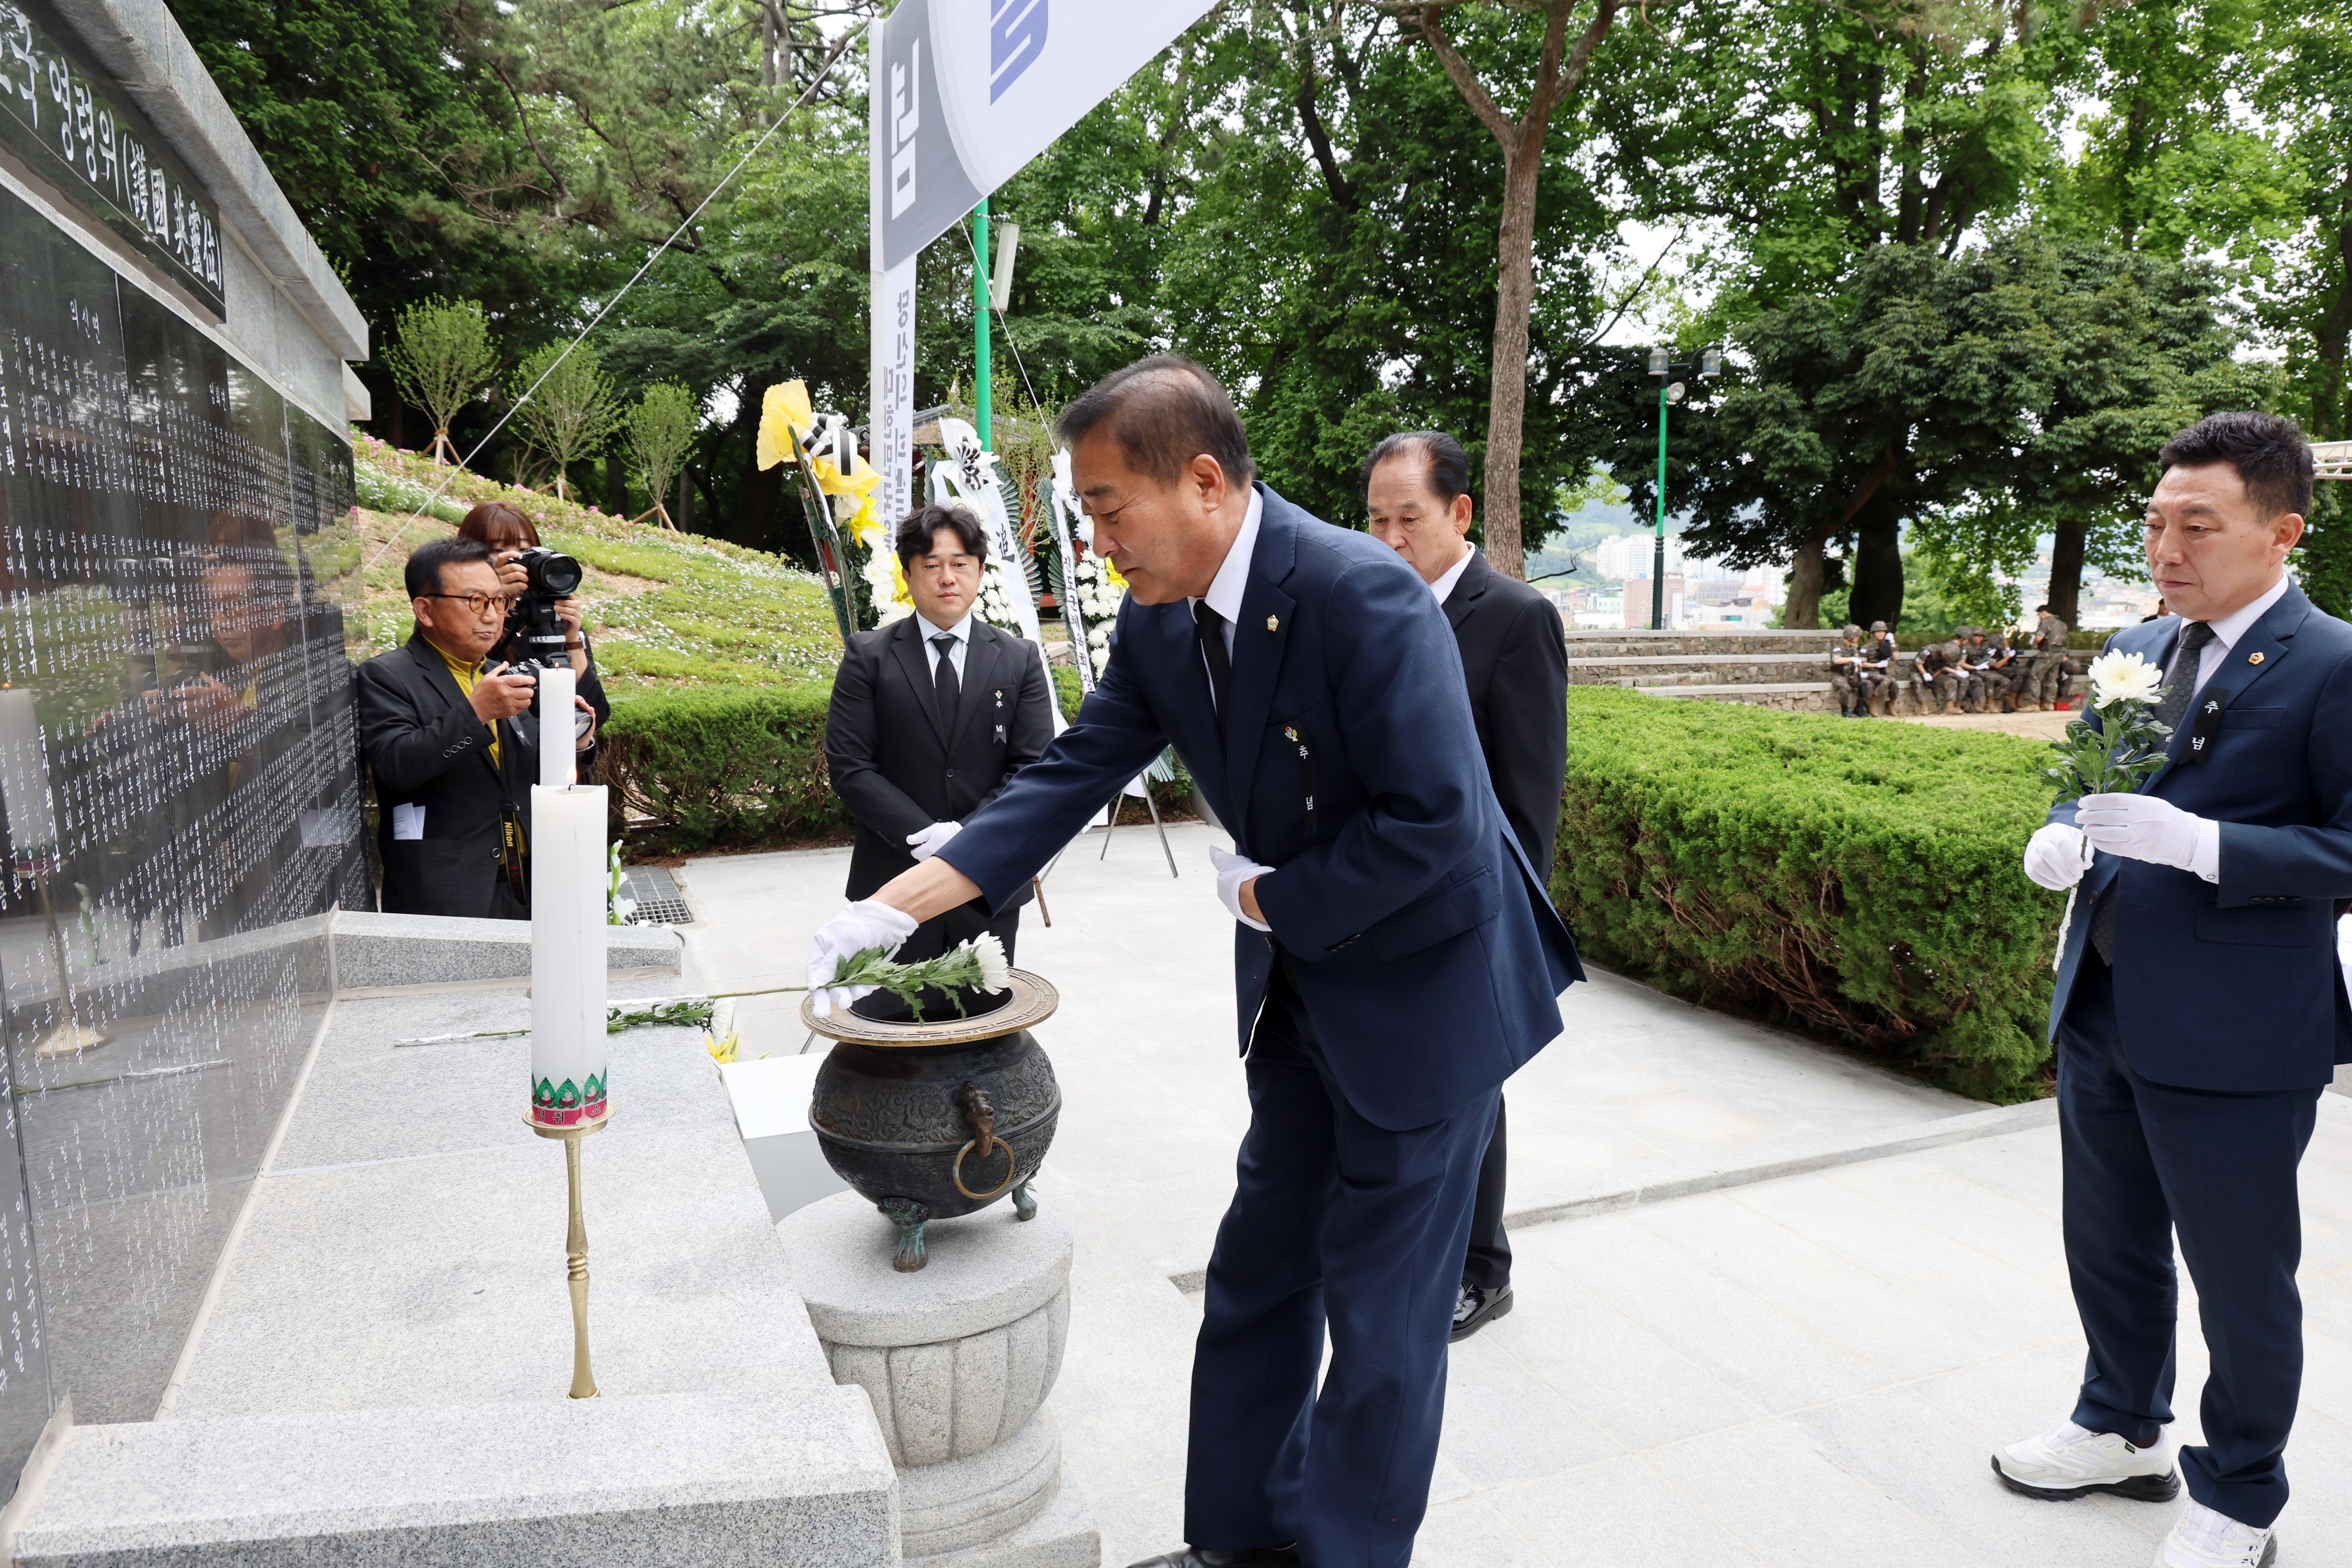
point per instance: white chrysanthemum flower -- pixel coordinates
(995, 969)
(2124, 678)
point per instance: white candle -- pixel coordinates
(24, 780)
(556, 687)
(569, 1049)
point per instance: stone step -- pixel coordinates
(1789, 695)
(1735, 667)
(1588, 642)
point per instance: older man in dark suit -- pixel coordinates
(2200, 1009)
(930, 716)
(1394, 956)
(454, 746)
(1515, 662)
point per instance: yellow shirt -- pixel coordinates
(467, 675)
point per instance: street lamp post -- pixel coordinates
(1709, 364)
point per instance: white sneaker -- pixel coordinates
(2203, 1539)
(2074, 1461)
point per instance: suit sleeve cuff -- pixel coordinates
(2206, 860)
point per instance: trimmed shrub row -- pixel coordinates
(722, 768)
(1854, 879)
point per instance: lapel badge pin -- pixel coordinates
(1274, 623)
(2254, 659)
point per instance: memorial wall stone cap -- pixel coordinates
(141, 44)
(620, 1480)
(373, 951)
(986, 1270)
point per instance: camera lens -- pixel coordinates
(551, 573)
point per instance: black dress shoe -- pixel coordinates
(1211, 1557)
(1475, 1307)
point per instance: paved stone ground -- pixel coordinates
(1809, 1371)
(2035, 726)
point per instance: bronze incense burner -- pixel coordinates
(930, 1119)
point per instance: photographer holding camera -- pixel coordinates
(543, 618)
(450, 736)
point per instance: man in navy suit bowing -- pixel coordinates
(1394, 956)
(2199, 1010)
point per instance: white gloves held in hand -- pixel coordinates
(932, 840)
(2143, 828)
(2136, 826)
(2054, 856)
(1232, 872)
(862, 925)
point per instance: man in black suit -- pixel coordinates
(930, 716)
(454, 746)
(1515, 657)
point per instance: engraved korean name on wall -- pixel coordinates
(179, 801)
(70, 130)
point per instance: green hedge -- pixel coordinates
(1857, 879)
(722, 768)
(743, 768)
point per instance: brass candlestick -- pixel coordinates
(575, 1248)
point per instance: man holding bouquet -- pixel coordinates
(2199, 1010)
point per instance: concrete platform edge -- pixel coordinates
(1820, 1155)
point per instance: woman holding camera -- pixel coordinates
(508, 531)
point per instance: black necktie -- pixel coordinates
(1211, 628)
(2171, 708)
(944, 687)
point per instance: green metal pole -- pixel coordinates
(1658, 561)
(980, 321)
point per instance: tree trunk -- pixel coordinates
(1878, 572)
(2066, 568)
(683, 514)
(616, 485)
(1808, 571)
(1506, 408)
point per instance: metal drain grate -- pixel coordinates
(660, 902)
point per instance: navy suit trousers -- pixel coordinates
(1334, 1222)
(2143, 1161)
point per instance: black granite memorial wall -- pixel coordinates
(178, 776)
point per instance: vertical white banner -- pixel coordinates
(890, 447)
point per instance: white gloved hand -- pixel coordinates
(1232, 872)
(2139, 827)
(932, 840)
(2054, 856)
(862, 925)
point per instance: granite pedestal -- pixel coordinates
(958, 1360)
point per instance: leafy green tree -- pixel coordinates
(442, 359)
(659, 431)
(1560, 66)
(564, 407)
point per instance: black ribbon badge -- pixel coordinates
(2209, 704)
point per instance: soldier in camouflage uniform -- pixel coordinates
(1985, 653)
(1845, 672)
(1935, 671)
(1876, 667)
(2008, 664)
(2048, 674)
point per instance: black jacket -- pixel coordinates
(892, 764)
(1515, 657)
(425, 747)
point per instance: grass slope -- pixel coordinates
(670, 612)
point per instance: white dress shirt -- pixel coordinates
(1444, 586)
(960, 631)
(2207, 862)
(1231, 580)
